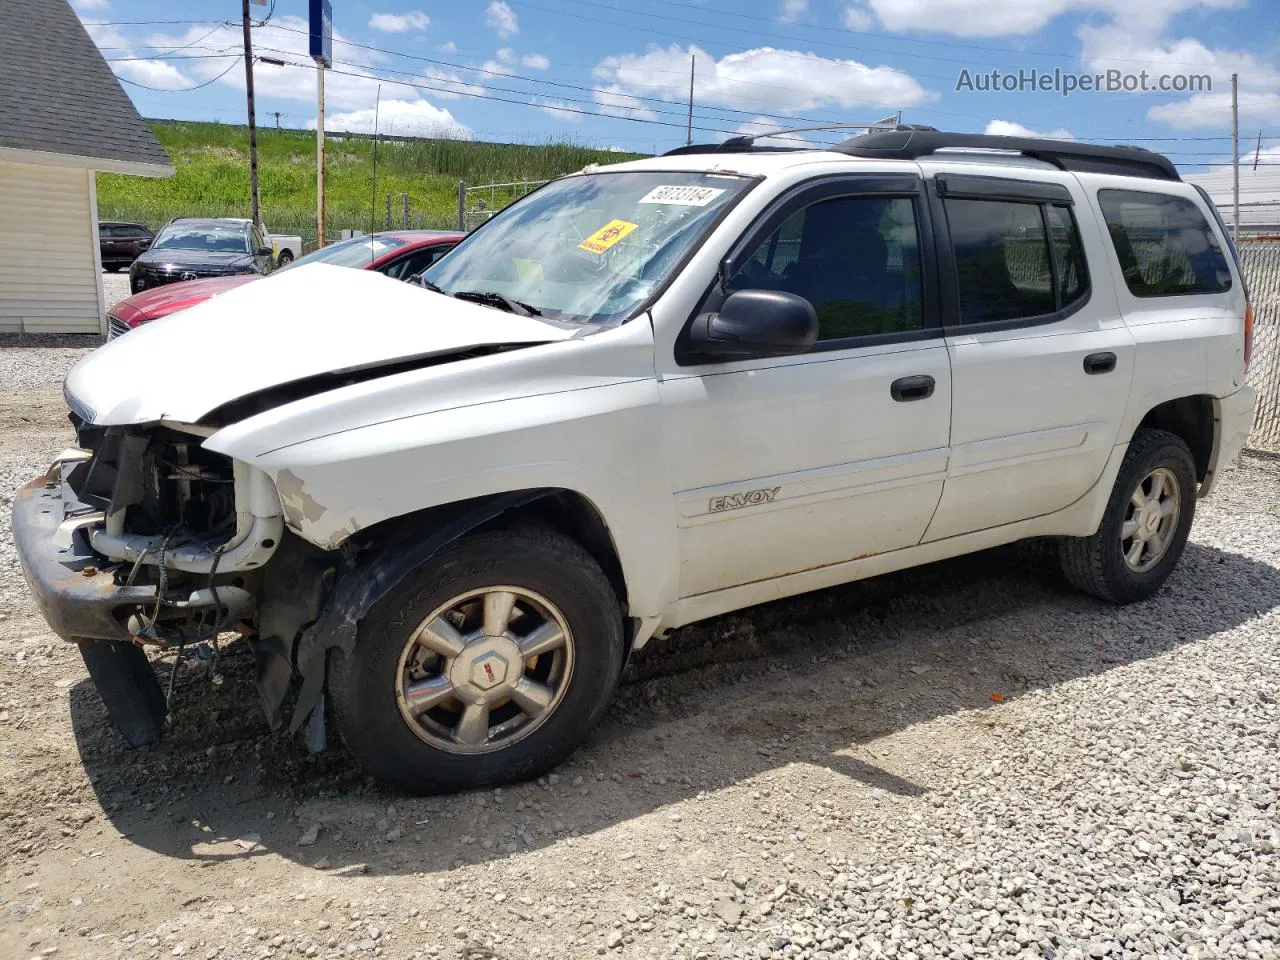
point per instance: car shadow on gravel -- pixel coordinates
(80, 341)
(811, 680)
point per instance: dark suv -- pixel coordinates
(189, 248)
(122, 243)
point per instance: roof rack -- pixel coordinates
(912, 143)
(745, 143)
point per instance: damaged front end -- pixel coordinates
(141, 537)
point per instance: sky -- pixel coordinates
(615, 73)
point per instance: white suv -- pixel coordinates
(643, 395)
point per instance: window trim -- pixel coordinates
(817, 190)
(949, 279)
(970, 187)
(1228, 252)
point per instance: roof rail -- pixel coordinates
(911, 144)
(745, 143)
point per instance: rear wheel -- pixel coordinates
(284, 258)
(1145, 526)
(490, 664)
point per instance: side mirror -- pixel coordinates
(265, 252)
(756, 323)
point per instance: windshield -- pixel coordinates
(356, 252)
(219, 237)
(589, 248)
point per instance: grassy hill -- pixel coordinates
(212, 179)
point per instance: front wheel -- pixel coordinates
(489, 664)
(1145, 526)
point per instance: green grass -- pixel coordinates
(212, 179)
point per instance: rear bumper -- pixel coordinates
(1233, 416)
(76, 597)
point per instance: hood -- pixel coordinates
(308, 321)
(204, 259)
(161, 301)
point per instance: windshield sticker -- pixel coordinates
(607, 236)
(682, 196)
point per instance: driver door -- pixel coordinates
(784, 464)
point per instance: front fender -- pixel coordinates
(598, 442)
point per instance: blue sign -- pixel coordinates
(322, 32)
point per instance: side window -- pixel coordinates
(1002, 260)
(413, 263)
(255, 239)
(1164, 244)
(856, 259)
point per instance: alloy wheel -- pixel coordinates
(484, 669)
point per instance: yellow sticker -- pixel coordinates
(607, 236)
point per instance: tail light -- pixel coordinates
(1248, 335)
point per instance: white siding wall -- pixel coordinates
(50, 278)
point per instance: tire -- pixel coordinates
(429, 752)
(111, 267)
(285, 258)
(1098, 564)
(129, 689)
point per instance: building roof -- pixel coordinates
(58, 97)
(1259, 196)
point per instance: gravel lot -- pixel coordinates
(967, 760)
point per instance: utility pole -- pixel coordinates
(255, 213)
(319, 154)
(1235, 162)
(693, 60)
(1257, 152)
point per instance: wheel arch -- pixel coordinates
(379, 557)
(1193, 419)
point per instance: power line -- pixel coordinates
(179, 90)
(840, 28)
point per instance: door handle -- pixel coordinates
(1096, 363)
(905, 389)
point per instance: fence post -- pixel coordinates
(462, 205)
(388, 219)
(404, 210)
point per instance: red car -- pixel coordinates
(399, 254)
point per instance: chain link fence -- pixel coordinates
(1260, 260)
(477, 202)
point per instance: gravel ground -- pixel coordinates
(967, 760)
(115, 286)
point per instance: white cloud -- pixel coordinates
(856, 18)
(557, 110)
(415, 118)
(503, 64)
(1111, 47)
(350, 94)
(1008, 128)
(789, 11)
(400, 22)
(448, 85)
(616, 102)
(89, 6)
(774, 81)
(991, 18)
(535, 61)
(502, 18)
(448, 47)
(150, 73)
(760, 125)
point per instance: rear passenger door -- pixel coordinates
(1041, 361)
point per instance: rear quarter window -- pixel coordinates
(1164, 243)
